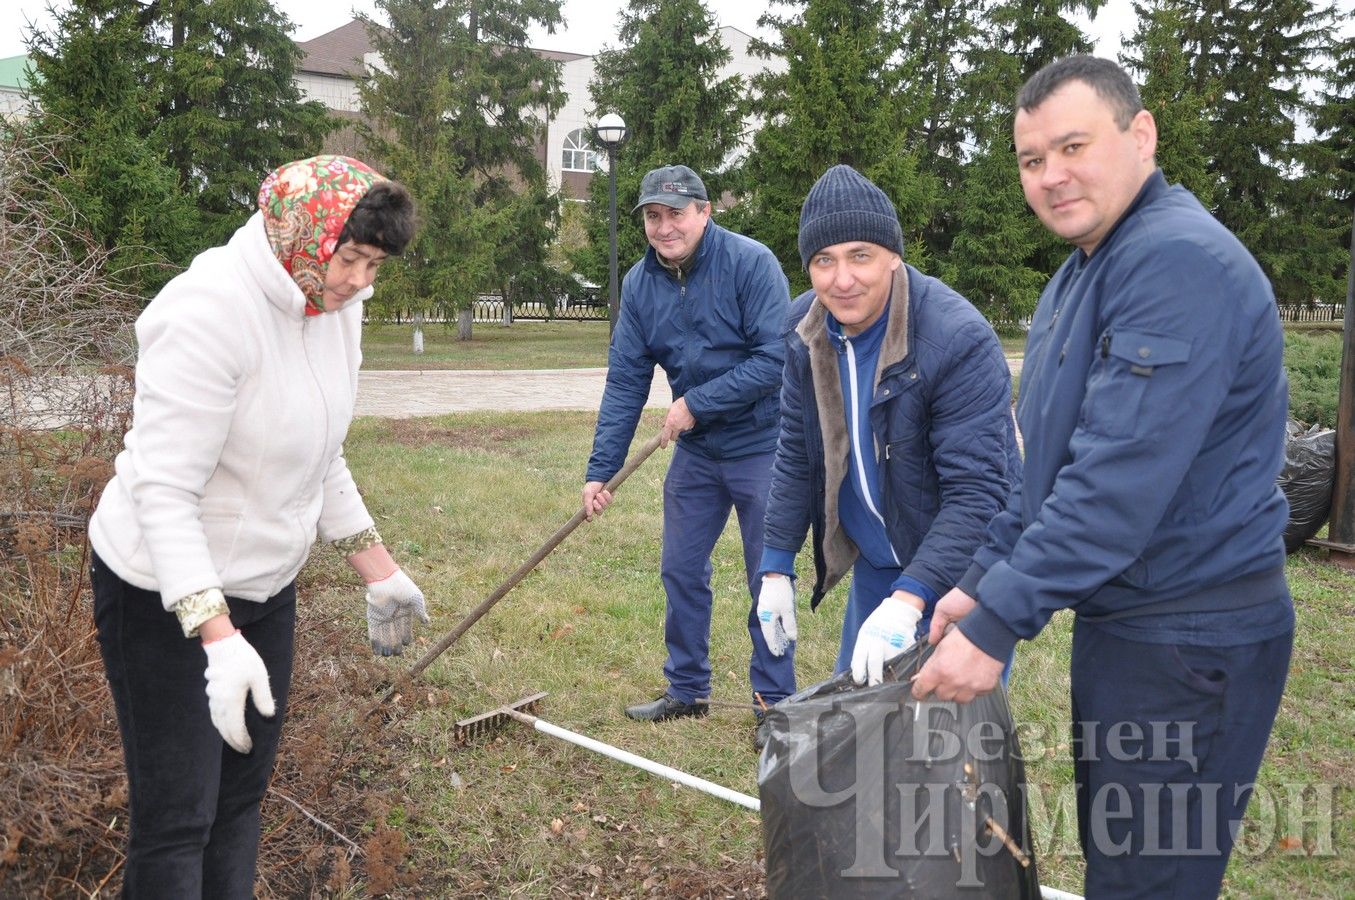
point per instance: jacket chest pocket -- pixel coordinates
(909, 476)
(1123, 369)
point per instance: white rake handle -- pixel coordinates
(639, 762)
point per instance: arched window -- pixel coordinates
(579, 155)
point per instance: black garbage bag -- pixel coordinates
(867, 793)
(1306, 480)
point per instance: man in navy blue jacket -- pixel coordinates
(897, 444)
(708, 306)
(1153, 406)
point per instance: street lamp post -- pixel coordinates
(611, 133)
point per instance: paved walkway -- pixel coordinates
(400, 394)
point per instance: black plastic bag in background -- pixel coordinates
(1306, 480)
(867, 793)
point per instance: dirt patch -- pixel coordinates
(417, 433)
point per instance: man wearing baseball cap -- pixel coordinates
(897, 443)
(709, 307)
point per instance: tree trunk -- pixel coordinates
(507, 307)
(418, 332)
(463, 323)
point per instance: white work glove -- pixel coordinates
(234, 670)
(392, 604)
(886, 633)
(776, 612)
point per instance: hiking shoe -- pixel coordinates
(665, 708)
(761, 732)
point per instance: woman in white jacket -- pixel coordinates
(245, 381)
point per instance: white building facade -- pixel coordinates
(334, 61)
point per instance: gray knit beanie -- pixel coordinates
(843, 205)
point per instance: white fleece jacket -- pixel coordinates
(234, 462)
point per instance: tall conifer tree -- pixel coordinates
(1251, 58)
(1168, 92)
(229, 109)
(1330, 160)
(1002, 255)
(937, 37)
(664, 80)
(456, 106)
(173, 114)
(839, 99)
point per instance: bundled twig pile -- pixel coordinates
(66, 350)
(64, 404)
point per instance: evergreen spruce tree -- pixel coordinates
(664, 81)
(229, 110)
(175, 112)
(1250, 59)
(1330, 160)
(838, 100)
(1002, 255)
(937, 37)
(90, 91)
(1169, 94)
(455, 106)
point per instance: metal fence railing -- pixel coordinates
(1312, 312)
(489, 308)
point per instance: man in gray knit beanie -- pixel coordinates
(896, 442)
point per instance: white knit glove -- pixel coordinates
(886, 633)
(776, 612)
(392, 604)
(234, 670)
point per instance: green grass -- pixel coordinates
(1312, 359)
(524, 345)
(463, 500)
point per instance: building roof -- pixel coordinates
(337, 52)
(340, 52)
(14, 72)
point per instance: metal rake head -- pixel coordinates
(488, 723)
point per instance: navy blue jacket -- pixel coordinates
(717, 335)
(1152, 404)
(941, 416)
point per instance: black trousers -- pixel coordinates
(193, 801)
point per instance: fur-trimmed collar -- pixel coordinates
(838, 550)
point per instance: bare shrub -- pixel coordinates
(66, 381)
(65, 400)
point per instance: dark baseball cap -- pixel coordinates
(674, 186)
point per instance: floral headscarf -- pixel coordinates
(305, 205)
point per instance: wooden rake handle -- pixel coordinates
(511, 582)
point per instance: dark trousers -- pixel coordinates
(1167, 740)
(193, 801)
(697, 496)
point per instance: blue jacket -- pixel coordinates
(1152, 404)
(941, 416)
(717, 335)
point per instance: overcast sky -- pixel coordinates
(589, 24)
